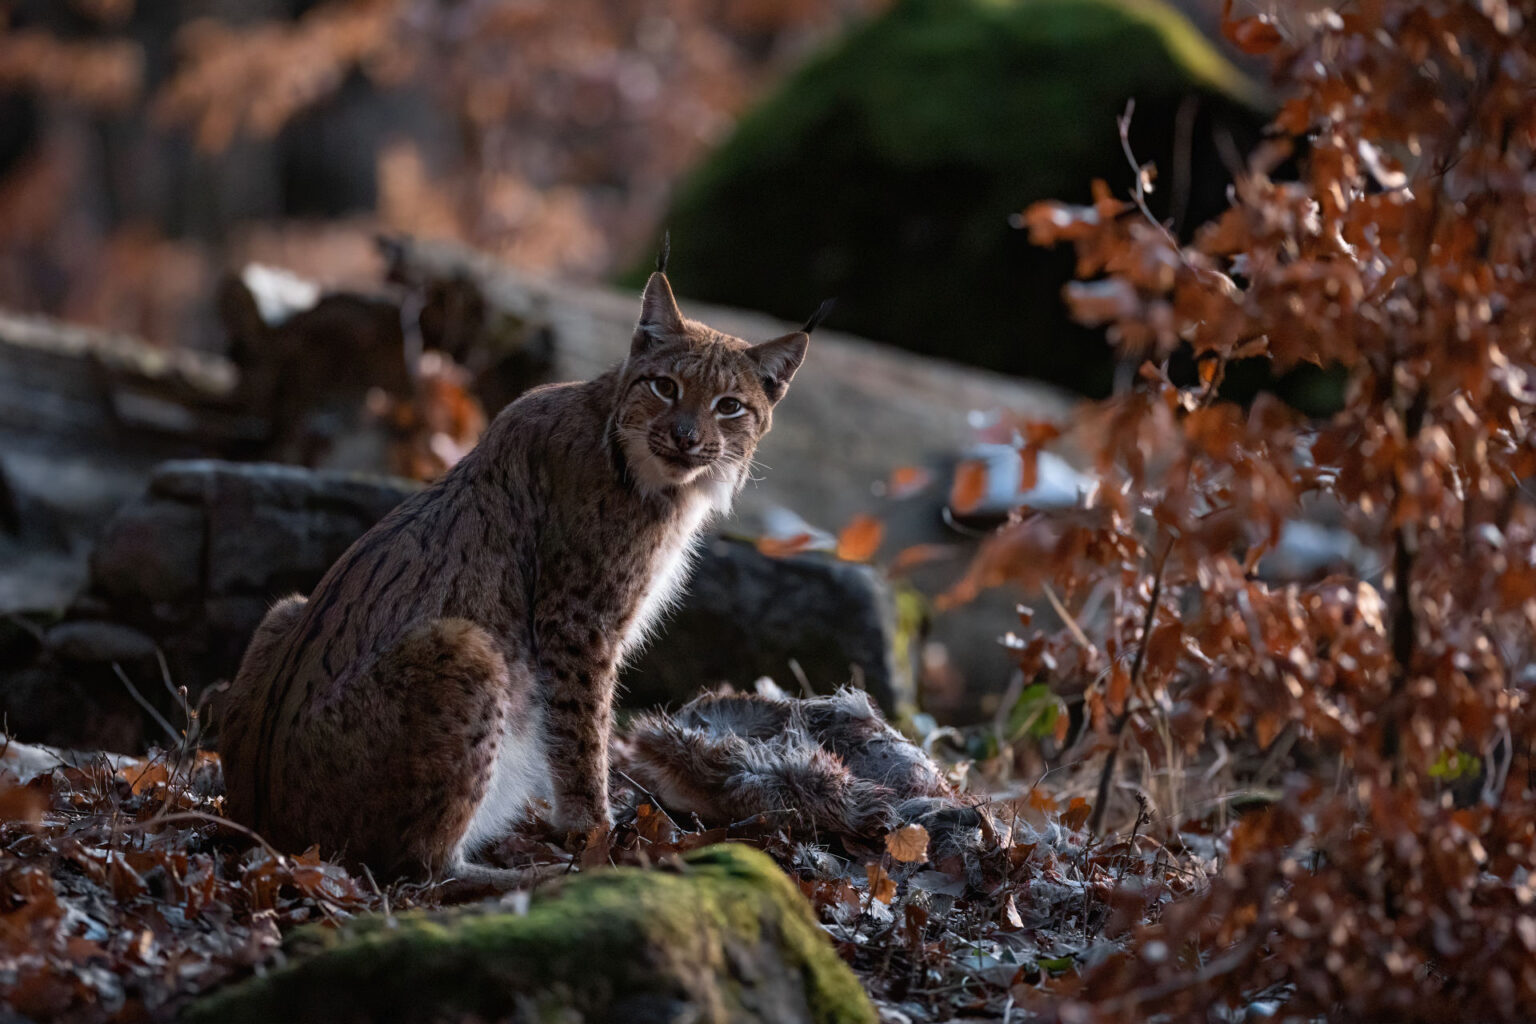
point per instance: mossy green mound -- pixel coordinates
(728, 938)
(885, 172)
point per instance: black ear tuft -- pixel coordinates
(818, 316)
(666, 251)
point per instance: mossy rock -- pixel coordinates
(886, 171)
(728, 938)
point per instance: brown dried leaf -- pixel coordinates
(776, 547)
(881, 886)
(970, 485)
(908, 844)
(907, 481)
(1076, 813)
(918, 554)
(860, 539)
(1029, 467)
(1255, 35)
(21, 803)
(1119, 688)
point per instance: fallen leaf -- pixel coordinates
(653, 826)
(1119, 688)
(1010, 919)
(1029, 467)
(970, 485)
(21, 803)
(881, 887)
(1076, 813)
(783, 547)
(1038, 432)
(908, 844)
(1253, 35)
(144, 778)
(918, 554)
(860, 539)
(907, 481)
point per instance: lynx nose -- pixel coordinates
(685, 433)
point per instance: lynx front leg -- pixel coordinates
(579, 722)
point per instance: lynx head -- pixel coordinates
(693, 402)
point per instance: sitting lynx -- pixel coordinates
(457, 663)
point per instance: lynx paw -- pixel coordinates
(577, 840)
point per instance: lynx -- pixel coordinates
(456, 665)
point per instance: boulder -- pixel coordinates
(886, 172)
(196, 560)
(746, 616)
(728, 938)
(192, 564)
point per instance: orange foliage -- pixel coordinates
(970, 486)
(776, 547)
(1396, 245)
(860, 539)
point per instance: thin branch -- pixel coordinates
(1066, 617)
(1113, 758)
(133, 691)
(649, 796)
(1141, 172)
(212, 819)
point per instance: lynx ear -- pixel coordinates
(778, 360)
(659, 315)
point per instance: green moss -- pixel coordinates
(729, 937)
(886, 170)
(912, 614)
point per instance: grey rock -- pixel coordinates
(746, 616)
(151, 551)
(191, 566)
(206, 481)
(198, 558)
(93, 641)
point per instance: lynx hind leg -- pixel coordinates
(443, 696)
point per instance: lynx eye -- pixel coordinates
(664, 387)
(729, 408)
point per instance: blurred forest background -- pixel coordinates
(1233, 690)
(209, 183)
(797, 149)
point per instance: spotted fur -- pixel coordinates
(456, 665)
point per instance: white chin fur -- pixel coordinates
(717, 483)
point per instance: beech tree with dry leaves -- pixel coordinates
(1384, 229)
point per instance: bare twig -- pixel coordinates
(1142, 173)
(800, 677)
(1113, 758)
(133, 691)
(649, 796)
(211, 819)
(1066, 617)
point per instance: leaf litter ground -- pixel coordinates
(124, 894)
